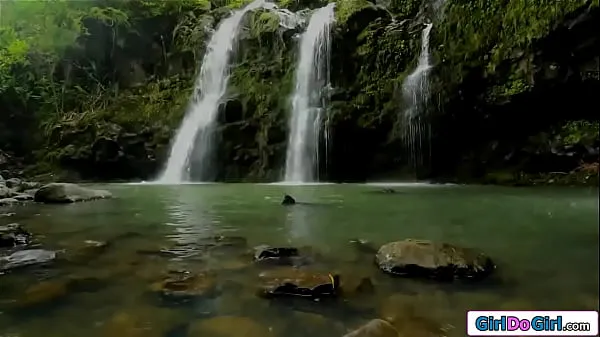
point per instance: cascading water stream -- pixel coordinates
(312, 77)
(198, 125)
(416, 130)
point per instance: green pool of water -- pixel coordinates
(544, 241)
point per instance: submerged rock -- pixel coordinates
(5, 192)
(84, 251)
(142, 321)
(13, 182)
(43, 292)
(57, 193)
(439, 261)
(23, 197)
(375, 328)
(265, 252)
(300, 283)
(281, 256)
(182, 285)
(228, 326)
(13, 235)
(288, 200)
(24, 258)
(8, 201)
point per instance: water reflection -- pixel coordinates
(301, 217)
(190, 217)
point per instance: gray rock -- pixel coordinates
(31, 192)
(23, 197)
(13, 182)
(59, 193)
(440, 261)
(28, 185)
(1, 179)
(5, 192)
(26, 257)
(8, 201)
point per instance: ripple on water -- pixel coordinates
(174, 228)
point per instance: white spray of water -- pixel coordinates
(312, 77)
(416, 131)
(198, 125)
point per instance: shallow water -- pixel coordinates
(544, 241)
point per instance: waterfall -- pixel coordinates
(211, 83)
(312, 78)
(416, 130)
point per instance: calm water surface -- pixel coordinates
(544, 241)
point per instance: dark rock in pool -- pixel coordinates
(281, 256)
(375, 328)
(182, 285)
(266, 252)
(438, 261)
(295, 282)
(24, 258)
(60, 193)
(13, 235)
(288, 200)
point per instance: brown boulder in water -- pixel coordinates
(295, 282)
(427, 259)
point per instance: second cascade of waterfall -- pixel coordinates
(416, 131)
(312, 77)
(211, 84)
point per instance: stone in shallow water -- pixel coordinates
(13, 235)
(43, 292)
(60, 193)
(142, 321)
(298, 283)
(427, 259)
(24, 258)
(281, 256)
(182, 285)
(228, 326)
(288, 200)
(23, 197)
(375, 328)
(84, 251)
(8, 201)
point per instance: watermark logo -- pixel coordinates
(532, 323)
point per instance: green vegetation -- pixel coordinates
(100, 85)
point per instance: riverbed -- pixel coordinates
(113, 253)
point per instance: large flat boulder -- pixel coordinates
(427, 259)
(60, 193)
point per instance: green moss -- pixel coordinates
(264, 22)
(344, 9)
(496, 33)
(235, 4)
(579, 132)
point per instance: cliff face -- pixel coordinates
(512, 89)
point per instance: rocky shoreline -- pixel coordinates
(15, 191)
